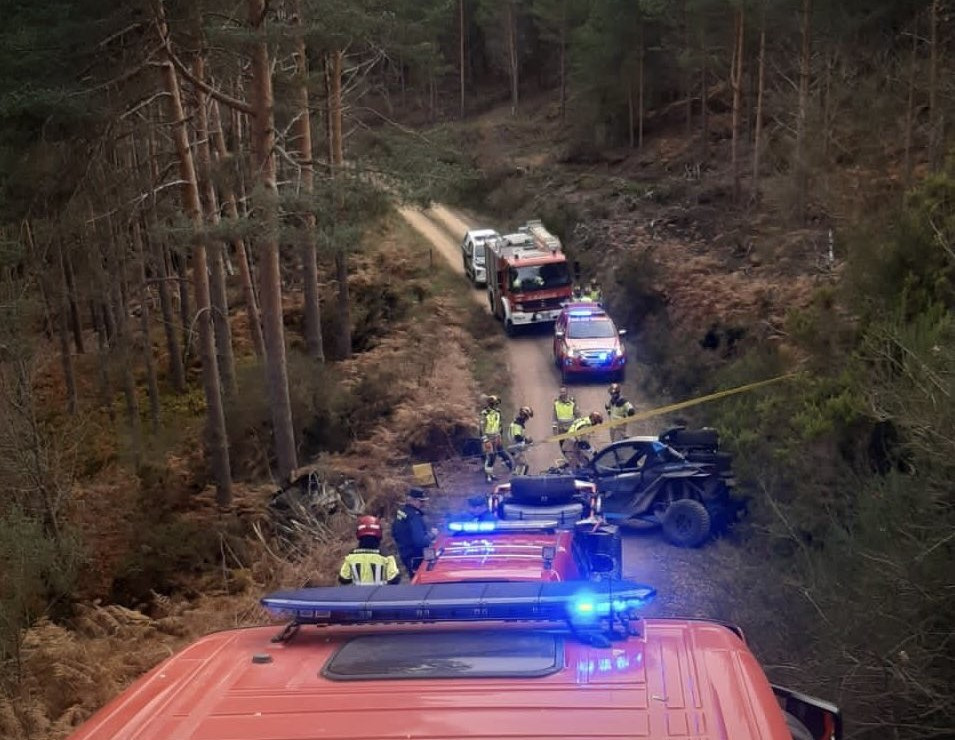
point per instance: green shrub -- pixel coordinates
(37, 571)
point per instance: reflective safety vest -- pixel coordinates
(564, 410)
(595, 295)
(490, 422)
(581, 423)
(369, 567)
(620, 409)
(517, 431)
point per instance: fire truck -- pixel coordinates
(528, 277)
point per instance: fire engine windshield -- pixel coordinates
(539, 277)
(479, 252)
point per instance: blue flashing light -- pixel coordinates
(583, 602)
(583, 312)
(472, 527)
(586, 606)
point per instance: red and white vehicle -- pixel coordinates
(525, 661)
(528, 277)
(498, 639)
(587, 342)
(523, 539)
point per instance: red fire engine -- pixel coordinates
(528, 278)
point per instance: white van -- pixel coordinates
(472, 253)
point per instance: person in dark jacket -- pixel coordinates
(478, 511)
(410, 530)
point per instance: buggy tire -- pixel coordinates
(509, 328)
(686, 523)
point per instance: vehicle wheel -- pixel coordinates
(490, 303)
(620, 375)
(564, 376)
(686, 523)
(509, 328)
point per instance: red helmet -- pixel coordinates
(368, 526)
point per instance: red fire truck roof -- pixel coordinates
(677, 679)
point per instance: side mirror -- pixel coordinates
(809, 718)
(622, 332)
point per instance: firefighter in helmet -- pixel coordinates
(365, 565)
(618, 408)
(565, 410)
(519, 438)
(492, 443)
(593, 293)
(577, 449)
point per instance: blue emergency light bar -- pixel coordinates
(484, 527)
(574, 601)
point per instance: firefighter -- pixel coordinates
(520, 439)
(493, 445)
(618, 407)
(410, 530)
(365, 565)
(578, 292)
(593, 293)
(478, 510)
(577, 449)
(565, 411)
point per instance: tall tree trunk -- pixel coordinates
(513, 60)
(177, 373)
(688, 72)
(124, 356)
(63, 333)
(935, 111)
(760, 86)
(802, 114)
(337, 159)
(238, 244)
(263, 165)
(217, 446)
(640, 88)
(910, 103)
(563, 61)
(76, 323)
(736, 81)
(152, 384)
(631, 122)
(102, 359)
(225, 358)
(313, 313)
(461, 29)
(186, 314)
(704, 101)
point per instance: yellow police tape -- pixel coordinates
(649, 414)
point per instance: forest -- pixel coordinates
(194, 304)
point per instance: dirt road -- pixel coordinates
(678, 574)
(530, 359)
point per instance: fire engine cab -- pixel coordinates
(528, 277)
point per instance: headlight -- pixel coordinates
(574, 352)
